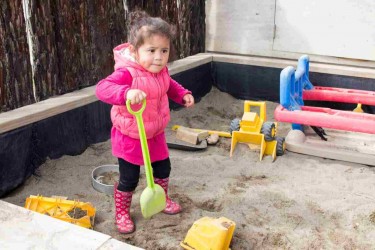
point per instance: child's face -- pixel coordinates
(153, 54)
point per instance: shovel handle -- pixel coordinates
(143, 139)
(139, 112)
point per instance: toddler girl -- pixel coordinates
(141, 73)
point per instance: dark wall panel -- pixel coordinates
(61, 134)
(337, 81)
(15, 158)
(23, 150)
(262, 83)
(198, 80)
(98, 123)
(247, 82)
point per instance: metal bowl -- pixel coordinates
(98, 172)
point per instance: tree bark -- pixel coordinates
(72, 42)
(15, 70)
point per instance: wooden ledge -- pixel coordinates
(35, 112)
(41, 110)
(56, 105)
(333, 69)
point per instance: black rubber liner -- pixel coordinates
(263, 83)
(247, 82)
(24, 149)
(198, 80)
(327, 80)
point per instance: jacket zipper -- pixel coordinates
(159, 91)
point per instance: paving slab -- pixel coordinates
(21, 228)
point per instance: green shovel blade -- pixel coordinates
(152, 201)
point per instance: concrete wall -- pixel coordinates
(335, 31)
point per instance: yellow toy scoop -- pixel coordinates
(153, 198)
(209, 233)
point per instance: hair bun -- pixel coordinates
(136, 16)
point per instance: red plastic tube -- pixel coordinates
(340, 95)
(328, 118)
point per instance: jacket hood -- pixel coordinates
(123, 57)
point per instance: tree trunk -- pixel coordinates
(15, 71)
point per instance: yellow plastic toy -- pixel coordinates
(253, 130)
(209, 234)
(75, 212)
(359, 109)
(210, 132)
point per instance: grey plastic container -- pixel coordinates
(101, 187)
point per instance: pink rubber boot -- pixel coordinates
(123, 200)
(172, 207)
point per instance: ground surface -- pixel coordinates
(296, 202)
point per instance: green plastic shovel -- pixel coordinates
(153, 197)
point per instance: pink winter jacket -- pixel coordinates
(158, 87)
(156, 115)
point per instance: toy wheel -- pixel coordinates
(280, 146)
(234, 125)
(269, 131)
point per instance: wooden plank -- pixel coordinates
(190, 135)
(44, 109)
(333, 69)
(32, 113)
(59, 104)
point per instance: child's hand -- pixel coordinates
(135, 96)
(189, 100)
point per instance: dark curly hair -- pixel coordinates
(142, 26)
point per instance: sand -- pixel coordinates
(296, 202)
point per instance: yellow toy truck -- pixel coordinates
(253, 130)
